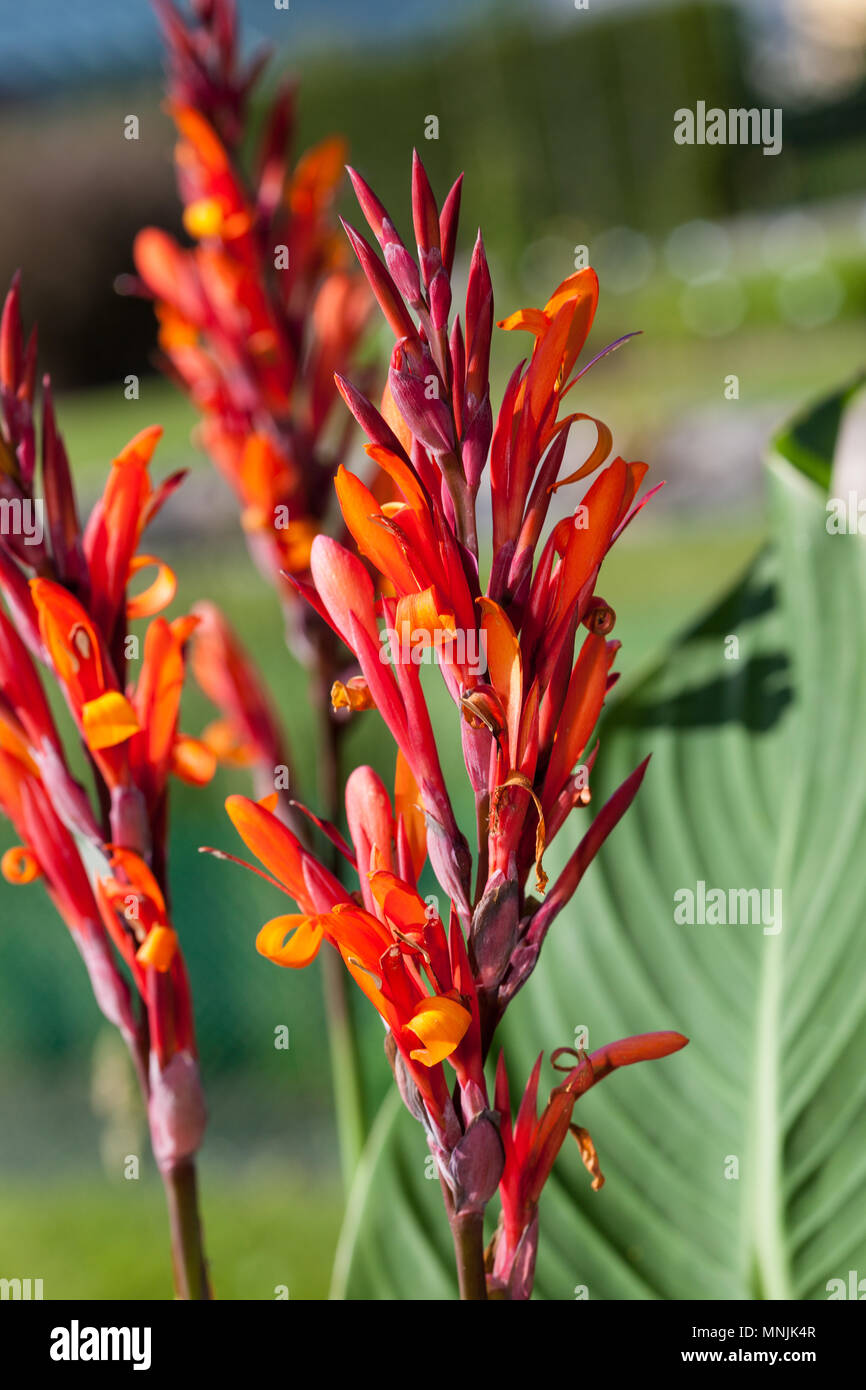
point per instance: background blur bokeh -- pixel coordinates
(731, 262)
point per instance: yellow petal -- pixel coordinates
(440, 1024)
(108, 720)
(535, 320)
(203, 218)
(158, 949)
(304, 939)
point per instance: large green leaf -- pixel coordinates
(735, 1169)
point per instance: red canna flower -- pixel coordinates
(247, 733)
(528, 685)
(393, 944)
(69, 606)
(257, 316)
(531, 1146)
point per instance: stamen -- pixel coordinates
(234, 859)
(519, 779)
(589, 1155)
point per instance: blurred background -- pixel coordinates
(731, 263)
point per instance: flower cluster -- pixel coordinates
(102, 858)
(442, 980)
(260, 312)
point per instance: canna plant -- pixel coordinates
(526, 656)
(101, 855)
(254, 319)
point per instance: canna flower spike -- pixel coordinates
(69, 611)
(393, 944)
(257, 315)
(527, 657)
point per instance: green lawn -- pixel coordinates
(263, 1231)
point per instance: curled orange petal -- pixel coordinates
(19, 865)
(158, 594)
(353, 695)
(439, 1023)
(292, 940)
(589, 1155)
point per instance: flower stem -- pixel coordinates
(187, 1249)
(467, 1231)
(342, 1033)
(468, 1234)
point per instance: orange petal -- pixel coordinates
(108, 720)
(603, 446)
(158, 949)
(203, 218)
(269, 840)
(421, 612)
(505, 664)
(140, 447)
(317, 174)
(192, 760)
(203, 138)
(535, 320)
(400, 902)
(224, 741)
(581, 709)
(407, 807)
(70, 639)
(439, 1023)
(363, 516)
(140, 875)
(19, 865)
(157, 595)
(305, 935)
(353, 695)
(402, 474)
(392, 417)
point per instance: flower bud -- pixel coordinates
(494, 931)
(176, 1109)
(475, 1164)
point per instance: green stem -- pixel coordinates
(342, 1032)
(467, 1232)
(187, 1248)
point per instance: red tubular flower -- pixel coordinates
(259, 314)
(528, 693)
(396, 948)
(248, 731)
(531, 1146)
(529, 708)
(69, 609)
